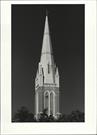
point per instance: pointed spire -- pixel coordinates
(46, 30)
(47, 55)
(57, 72)
(46, 47)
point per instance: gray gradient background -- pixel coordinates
(67, 35)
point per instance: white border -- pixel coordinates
(89, 127)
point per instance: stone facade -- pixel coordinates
(47, 78)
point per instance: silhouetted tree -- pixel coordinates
(30, 118)
(23, 115)
(76, 116)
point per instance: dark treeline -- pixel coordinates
(23, 115)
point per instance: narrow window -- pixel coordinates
(48, 68)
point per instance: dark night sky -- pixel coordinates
(67, 34)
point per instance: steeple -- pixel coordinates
(47, 77)
(46, 47)
(46, 59)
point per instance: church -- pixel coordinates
(47, 78)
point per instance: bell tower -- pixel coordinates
(47, 78)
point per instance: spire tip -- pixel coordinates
(46, 12)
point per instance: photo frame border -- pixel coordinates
(10, 131)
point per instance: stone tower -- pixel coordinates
(47, 78)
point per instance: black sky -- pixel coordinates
(67, 35)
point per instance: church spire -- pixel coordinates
(46, 60)
(47, 78)
(46, 47)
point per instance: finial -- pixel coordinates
(46, 12)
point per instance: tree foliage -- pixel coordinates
(23, 115)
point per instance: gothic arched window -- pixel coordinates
(52, 102)
(46, 100)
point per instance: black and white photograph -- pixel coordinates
(48, 63)
(48, 67)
